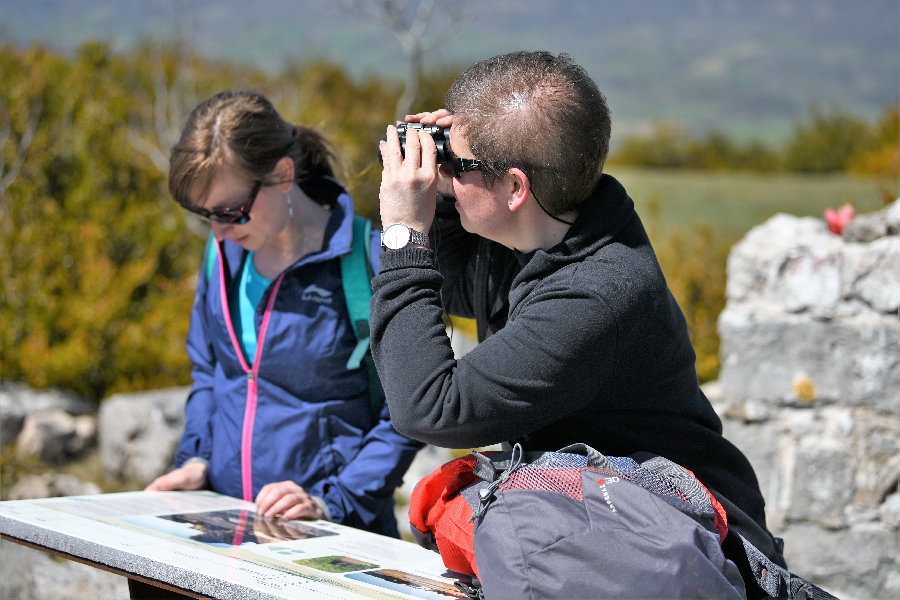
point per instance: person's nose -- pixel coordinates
(221, 230)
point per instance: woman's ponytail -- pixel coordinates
(316, 156)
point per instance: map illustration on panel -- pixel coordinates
(230, 527)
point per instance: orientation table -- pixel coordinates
(205, 545)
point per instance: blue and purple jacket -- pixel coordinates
(296, 412)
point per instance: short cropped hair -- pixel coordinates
(242, 132)
(540, 113)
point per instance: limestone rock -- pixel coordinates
(18, 400)
(865, 228)
(870, 227)
(788, 261)
(816, 465)
(871, 272)
(890, 511)
(795, 265)
(760, 444)
(829, 476)
(860, 562)
(51, 486)
(810, 392)
(822, 479)
(55, 435)
(139, 432)
(27, 574)
(795, 360)
(811, 319)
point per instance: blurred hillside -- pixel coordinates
(750, 69)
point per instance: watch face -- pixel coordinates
(396, 236)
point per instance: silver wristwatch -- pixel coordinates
(398, 235)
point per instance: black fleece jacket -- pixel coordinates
(594, 349)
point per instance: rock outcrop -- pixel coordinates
(17, 401)
(27, 574)
(55, 436)
(810, 391)
(48, 485)
(139, 432)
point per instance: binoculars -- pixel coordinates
(437, 133)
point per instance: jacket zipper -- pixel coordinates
(252, 374)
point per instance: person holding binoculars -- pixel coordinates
(581, 340)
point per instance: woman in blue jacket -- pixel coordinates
(275, 415)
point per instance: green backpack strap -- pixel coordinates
(356, 278)
(210, 255)
(356, 274)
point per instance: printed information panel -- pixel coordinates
(217, 546)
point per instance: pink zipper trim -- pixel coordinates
(239, 529)
(252, 373)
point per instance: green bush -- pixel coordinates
(694, 265)
(671, 147)
(829, 142)
(884, 157)
(693, 262)
(99, 264)
(96, 257)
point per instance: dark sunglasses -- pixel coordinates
(462, 165)
(231, 216)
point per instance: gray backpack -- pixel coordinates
(578, 524)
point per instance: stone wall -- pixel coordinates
(810, 391)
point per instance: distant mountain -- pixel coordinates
(748, 67)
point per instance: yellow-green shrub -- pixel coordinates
(98, 263)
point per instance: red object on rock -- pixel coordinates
(838, 219)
